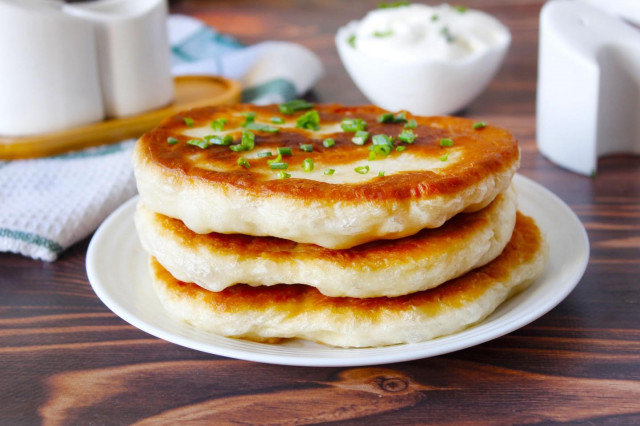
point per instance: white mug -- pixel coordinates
(133, 53)
(49, 77)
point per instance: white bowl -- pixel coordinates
(423, 86)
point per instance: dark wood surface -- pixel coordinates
(66, 359)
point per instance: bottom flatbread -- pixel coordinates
(300, 311)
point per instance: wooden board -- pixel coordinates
(190, 92)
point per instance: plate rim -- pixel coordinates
(367, 356)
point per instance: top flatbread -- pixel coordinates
(422, 186)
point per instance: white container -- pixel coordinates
(424, 85)
(588, 101)
(49, 71)
(133, 53)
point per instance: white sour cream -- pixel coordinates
(418, 32)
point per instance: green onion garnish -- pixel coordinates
(352, 40)
(386, 5)
(199, 143)
(172, 141)
(277, 120)
(265, 154)
(329, 172)
(372, 155)
(380, 174)
(283, 175)
(411, 124)
(328, 143)
(446, 142)
(461, 9)
(309, 120)
(353, 124)
(401, 148)
(444, 157)
(284, 150)
(434, 18)
(306, 147)
(188, 121)
(218, 125)
(247, 142)
(446, 33)
(279, 166)
(219, 140)
(386, 33)
(244, 163)
(407, 136)
(307, 164)
(382, 149)
(275, 160)
(480, 125)
(249, 117)
(385, 118)
(360, 137)
(261, 127)
(382, 140)
(400, 118)
(363, 170)
(290, 107)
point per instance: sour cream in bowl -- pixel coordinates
(429, 60)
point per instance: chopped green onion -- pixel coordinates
(199, 143)
(444, 157)
(309, 120)
(284, 150)
(218, 125)
(172, 141)
(434, 18)
(363, 170)
(446, 142)
(385, 118)
(407, 136)
(328, 143)
(290, 107)
(360, 137)
(277, 120)
(188, 121)
(249, 117)
(352, 40)
(283, 175)
(382, 140)
(411, 124)
(480, 125)
(382, 149)
(446, 33)
(461, 9)
(400, 118)
(261, 127)
(247, 142)
(219, 140)
(275, 160)
(307, 164)
(386, 5)
(265, 154)
(353, 124)
(401, 148)
(329, 172)
(306, 147)
(386, 33)
(372, 155)
(244, 163)
(281, 166)
(380, 174)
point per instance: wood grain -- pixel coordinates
(66, 359)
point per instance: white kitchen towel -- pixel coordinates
(48, 204)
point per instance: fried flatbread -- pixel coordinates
(378, 268)
(337, 196)
(299, 311)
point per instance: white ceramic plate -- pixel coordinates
(117, 270)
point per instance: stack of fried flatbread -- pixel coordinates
(349, 226)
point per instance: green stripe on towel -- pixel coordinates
(30, 238)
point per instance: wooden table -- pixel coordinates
(66, 359)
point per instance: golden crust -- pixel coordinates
(379, 268)
(299, 311)
(210, 192)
